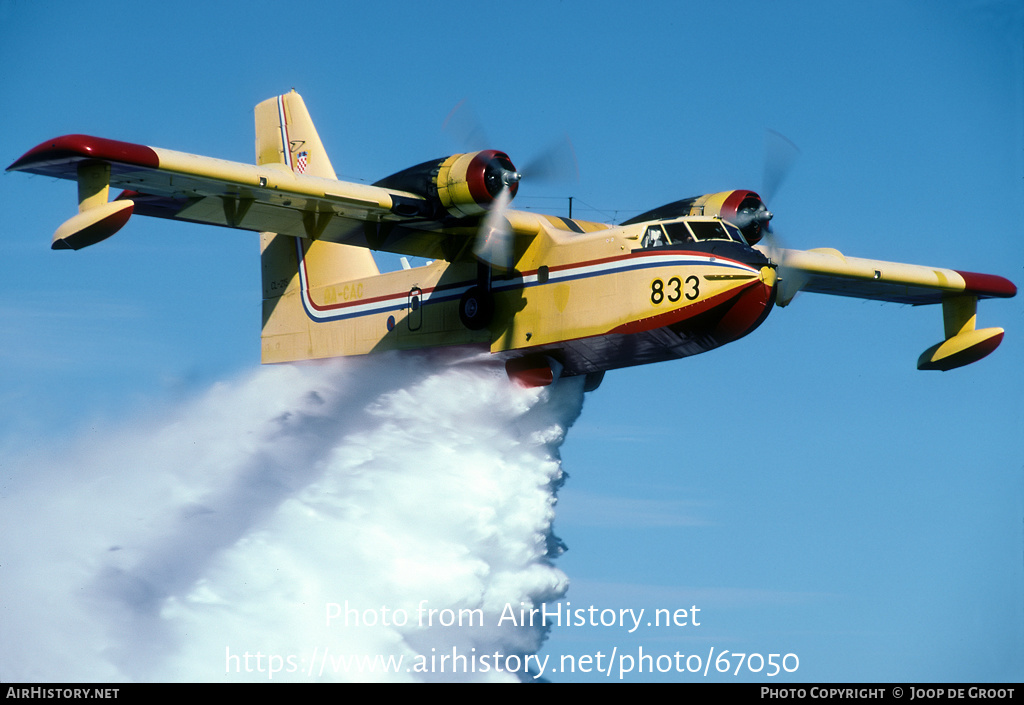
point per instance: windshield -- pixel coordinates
(714, 230)
(684, 231)
(679, 233)
(735, 233)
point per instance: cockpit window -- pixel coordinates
(679, 233)
(654, 236)
(709, 230)
(684, 231)
(734, 233)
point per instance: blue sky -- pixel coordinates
(806, 487)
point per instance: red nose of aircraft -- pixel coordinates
(750, 307)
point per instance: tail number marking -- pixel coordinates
(348, 292)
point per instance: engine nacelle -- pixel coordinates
(467, 184)
(744, 209)
(460, 185)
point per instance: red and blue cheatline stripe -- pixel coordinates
(397, 301)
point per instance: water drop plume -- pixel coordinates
(293, 524)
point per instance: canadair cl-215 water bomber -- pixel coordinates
(549, 295)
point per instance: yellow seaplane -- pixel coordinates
(551, 296)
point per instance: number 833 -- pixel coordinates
(675, 289)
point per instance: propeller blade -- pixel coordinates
(791, 280)
(465, 127)
(494, 241)
(556, 163)
(779, 155)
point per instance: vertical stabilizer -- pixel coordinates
(285, 135)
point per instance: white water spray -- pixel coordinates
(306, 523)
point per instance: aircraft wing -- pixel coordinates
(828, 271)
(262, 198)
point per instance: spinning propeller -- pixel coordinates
(495, 241)
(779, 155)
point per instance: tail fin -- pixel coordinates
(285, 135)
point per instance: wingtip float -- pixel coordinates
(550, 296)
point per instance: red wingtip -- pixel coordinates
(45, 157)
(986, 285)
